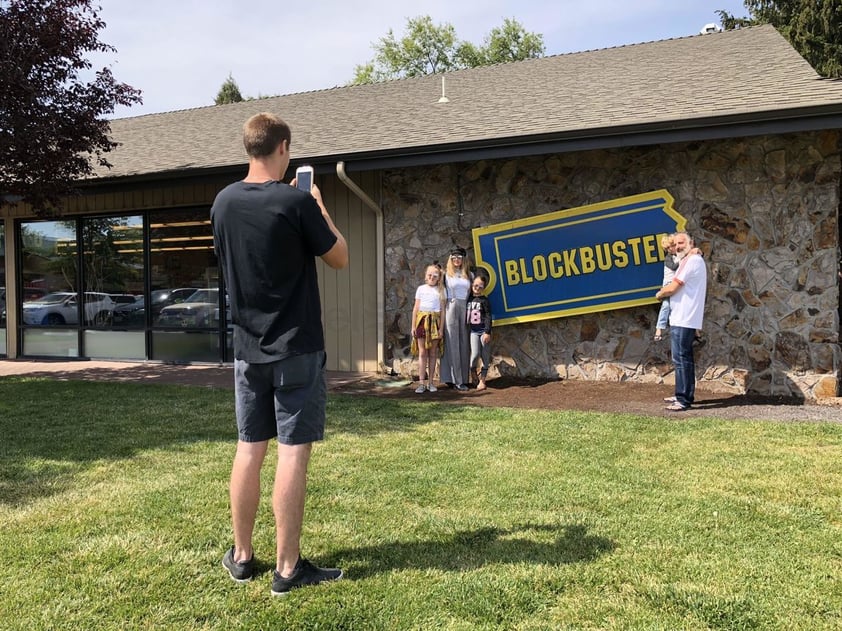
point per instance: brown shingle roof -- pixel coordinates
(752, 74)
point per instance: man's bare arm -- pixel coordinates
(337, 256)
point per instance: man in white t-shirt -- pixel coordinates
(687, 293)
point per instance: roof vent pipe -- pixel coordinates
(443, 98)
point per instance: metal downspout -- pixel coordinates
(381, 258)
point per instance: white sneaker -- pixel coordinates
(420, 389)
(432, 388)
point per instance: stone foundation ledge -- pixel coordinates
(830, 401)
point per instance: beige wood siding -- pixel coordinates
(177, 194)
(349, 296)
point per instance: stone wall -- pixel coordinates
(764, 211)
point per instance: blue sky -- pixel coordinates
(179, 52)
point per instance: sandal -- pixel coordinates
(675, 407)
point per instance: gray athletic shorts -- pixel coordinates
(286, 399)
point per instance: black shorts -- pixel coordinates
(286, 398)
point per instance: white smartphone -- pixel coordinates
(304, 178)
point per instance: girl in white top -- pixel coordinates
(427, 317)
(457, 335)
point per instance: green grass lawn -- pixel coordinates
(114, 515)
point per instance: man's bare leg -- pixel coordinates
(245, 495)
(288, 503)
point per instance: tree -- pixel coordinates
(229, 92)
(813, 27)
(510, 42)
(52, 129)
(427, 48)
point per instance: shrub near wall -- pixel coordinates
(764, 211)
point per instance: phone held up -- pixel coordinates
(304, 178)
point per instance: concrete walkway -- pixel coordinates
(210, 375)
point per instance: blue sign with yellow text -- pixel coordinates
(581, 260)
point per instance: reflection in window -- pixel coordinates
(2, 288)
(183, 263)
(112, 268)
(112, 272)
(48, 271)
(84, 284)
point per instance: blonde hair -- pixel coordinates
(440, 281)
(464, 271)
(667, 240)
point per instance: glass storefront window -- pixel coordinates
(182, 346)
(123, 287)
(112, 268)
(48, 273)
(115, 344)
(3, 351)
(185, 286)
(48, 342)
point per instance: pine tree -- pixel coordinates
(229, 92)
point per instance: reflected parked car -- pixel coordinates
(123, 299)
(61, 308)
(29, 293)
(201, 309)
(129, 312)
(161, 298)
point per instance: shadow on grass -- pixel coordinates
(472, 549)
(51, 430)
(366, 415)
(747, 399)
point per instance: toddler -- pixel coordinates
(670, 265)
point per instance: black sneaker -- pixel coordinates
(305, 573)
(240, 572)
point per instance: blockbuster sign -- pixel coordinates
(592, 258)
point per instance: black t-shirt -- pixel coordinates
(478, 314)
(266, 237)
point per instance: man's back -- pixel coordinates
(267, 236)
